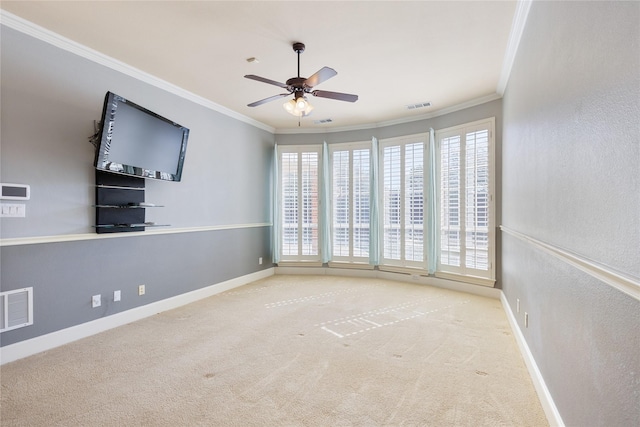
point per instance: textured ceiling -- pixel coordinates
(391, 54)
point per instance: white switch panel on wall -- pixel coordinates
(13, 210)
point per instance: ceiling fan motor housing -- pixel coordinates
(296, 86)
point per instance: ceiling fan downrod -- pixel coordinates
(296, 84)
(298, 48)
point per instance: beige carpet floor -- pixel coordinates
(288, 351)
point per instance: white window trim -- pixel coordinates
(311, 260)
(401, 265)
(347, 146)
(463, 273)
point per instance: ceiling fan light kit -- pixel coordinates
(299, 106)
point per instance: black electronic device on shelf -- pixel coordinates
(133, 143)
(114, 194)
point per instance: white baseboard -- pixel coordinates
(42, 343)
(548, 405)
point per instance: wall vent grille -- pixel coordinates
(418, 105)
(16, 309)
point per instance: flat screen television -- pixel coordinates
(138, 142)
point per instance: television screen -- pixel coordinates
(136, 141)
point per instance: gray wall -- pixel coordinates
(65, 275)
(571, 161)
(50, 98)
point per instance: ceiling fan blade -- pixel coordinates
(335, 95)
(325, 73)
(263, 80)
(269, 99)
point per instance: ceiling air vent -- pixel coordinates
(322, 121)
(418, 105)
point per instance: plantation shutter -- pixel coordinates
(465, 211)
(299, 185)
(403, 190)
(289, 180)
(392, 194)
(450, 201)
(341, 201)
(309, 203)
(350, 197)
(361, 203)
(477, 200)
(414, 202)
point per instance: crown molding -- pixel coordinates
(430, 115)
(19, 24)
(517, 28)
(29, 28)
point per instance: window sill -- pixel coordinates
(412, 271)
(404, 270)
(474, 280)
(354, 265)
(299, 264)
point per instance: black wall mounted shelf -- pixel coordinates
(118, 204)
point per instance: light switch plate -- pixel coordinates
(13, 210)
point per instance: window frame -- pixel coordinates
(463, 272)
(325, 226)
(402, 264)
(299, 258)
(350, 147)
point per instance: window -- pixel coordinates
(432, 210)
(465, 163)
(299, 189)
(350, 201)
(403, 191)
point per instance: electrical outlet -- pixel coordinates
(260, 260)
(116, 295)
(518, 305)
(526, 319)
(141, 290)
(95, 301)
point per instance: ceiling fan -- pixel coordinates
(299, 87)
